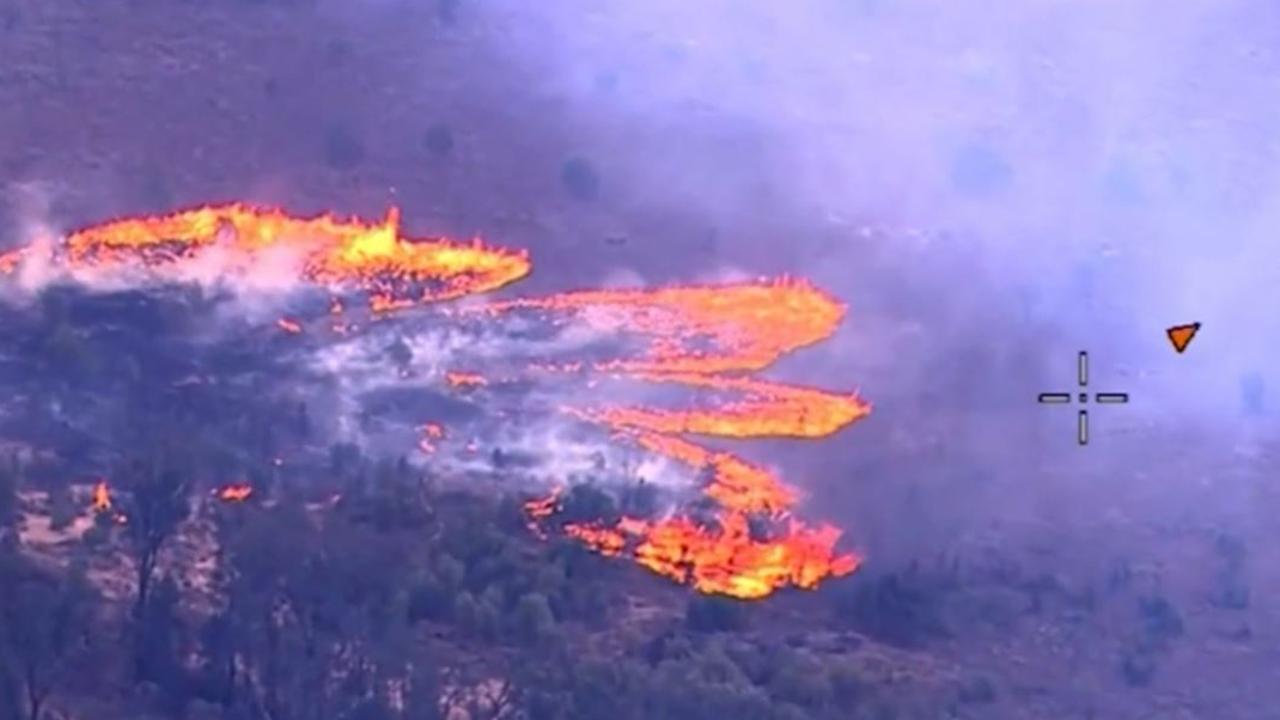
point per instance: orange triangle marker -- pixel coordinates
(1180, 335)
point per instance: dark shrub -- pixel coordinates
(707, 613)
(1138, 668)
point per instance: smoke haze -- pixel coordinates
(1103, 171)
(992, 188)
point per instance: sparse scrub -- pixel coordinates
(1161, 621)
(715, 614)
(533, 619)
(1231, 549)
(1231, 592)
(1137, 668)
(904, 608)
(62, 509)
(801, 681)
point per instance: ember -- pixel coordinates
(9, 261)
(465, 379)
(102, 503)
(236, 493)
(101, 497)
(431, 432)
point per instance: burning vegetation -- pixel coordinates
(238, 492)
(393, 270)
(103, 505)
(704, 340)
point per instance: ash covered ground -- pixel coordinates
(989, 196)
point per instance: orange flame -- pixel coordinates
(235, 493)
(769, 409)
(9, 261)
(396, 271)
(698, 337)
(431, 432)
(101, 497)
(465, 379)
(750, 325)
(102, 503)
(726, 560)
(542, 508)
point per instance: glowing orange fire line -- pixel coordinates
(465, 379)
(743, 327)
(768, 410)
(395, 270)
(696, 336)
(238, 492)
(750, 325)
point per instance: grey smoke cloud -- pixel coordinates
(992, 187)
(1099, 170)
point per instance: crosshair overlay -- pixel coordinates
(1082, 415)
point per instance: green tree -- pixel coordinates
(801, 680)
(400, 354)
(533, 619)
(67, 351)
(466, 612)
(63, 508)
(156, 505)
(489, 613)
(429, 599)
(46, 628)
(8, 497)
(450, 572)
(588, 503)
(711, 613)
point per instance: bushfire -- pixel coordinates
(235, 493)
(101, 497)
(103, 505)
(395, 271)
(705, 339)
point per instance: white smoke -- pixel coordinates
(992, 187)
(1104, 171)
(521, 415)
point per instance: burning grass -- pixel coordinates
(704, 339)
